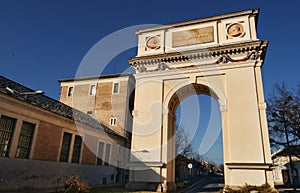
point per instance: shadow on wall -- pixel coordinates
(149, 179)
(44, 176)
(21, 174)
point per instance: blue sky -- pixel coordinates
(43, 41)
(200, 117)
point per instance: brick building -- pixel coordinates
(107, 98)
(43, 142)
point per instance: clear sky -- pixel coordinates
(43, 41)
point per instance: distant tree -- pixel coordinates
(283, 114)
(183, 142)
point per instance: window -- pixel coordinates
(112, 177)
(25, 140)
(7, 127)
(107, 154)
(90, 113)
(104, 180)
(93, 90)
(70, 91)
(76, 149)
(100, 153)
(113, 121)
(115, 88)
(65, 147)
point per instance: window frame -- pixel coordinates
(107, 155)
(100, 161)
(91, 113)
(77, 149)
(118, 88)
(70, 91)
(113, 121)
(8, 142)
(62, 146)
(93, 90)
(20, 146)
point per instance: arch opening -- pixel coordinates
(199, 139)
(186, 103)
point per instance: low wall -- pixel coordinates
(21, 174)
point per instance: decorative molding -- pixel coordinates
(223, 59)
(222, 55)
(253, 166)
(147, 164)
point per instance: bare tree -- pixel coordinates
(183, 142)
(283, 113)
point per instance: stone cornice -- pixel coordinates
(253, 166)
(201, 20)
(254, 50)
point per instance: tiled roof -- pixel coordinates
(51, 105)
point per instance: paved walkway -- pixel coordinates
(215, 184)
(212, 185)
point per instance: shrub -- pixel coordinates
(265, 188)
(76, 184)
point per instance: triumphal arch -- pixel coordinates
(219, 56)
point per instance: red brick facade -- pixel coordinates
(48, 139)
(89, 149)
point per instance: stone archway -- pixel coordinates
(169, 128)
(218, 56)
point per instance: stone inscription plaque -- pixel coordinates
(193, 37)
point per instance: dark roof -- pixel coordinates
(94, 77)
(51, 105)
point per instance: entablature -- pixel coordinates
(233, 53)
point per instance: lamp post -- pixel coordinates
(14, 92)
(190, 166)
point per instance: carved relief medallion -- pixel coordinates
(235, 30)
(153, 43)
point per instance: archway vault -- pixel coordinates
(220, 57)
(186, 91)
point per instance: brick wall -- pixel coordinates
(110, 105)
(48, 141)
(63, 95)
(105, 104)
(89, 150)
